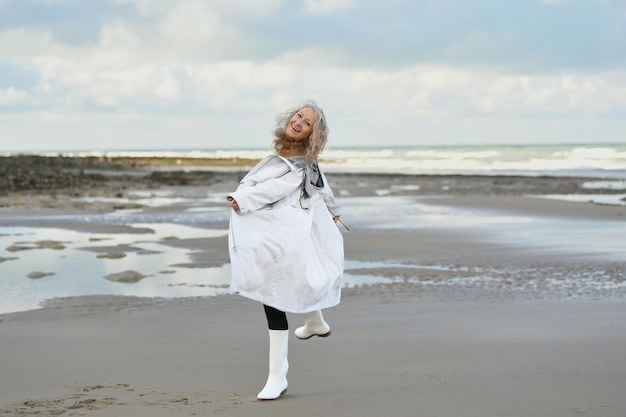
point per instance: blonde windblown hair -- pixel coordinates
(315, 143)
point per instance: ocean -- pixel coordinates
(589, 160)
(76, 270)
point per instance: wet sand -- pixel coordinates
(390, 354)
(532, 330)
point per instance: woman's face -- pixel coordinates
(300, 125)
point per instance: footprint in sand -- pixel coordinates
(124, 398)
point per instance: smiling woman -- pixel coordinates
(301, 132)
(285, 250)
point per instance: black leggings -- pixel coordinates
(276, 319)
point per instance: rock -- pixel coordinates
(112, 255)
(17, 248)
(37, 274)
(128, 277)
(50, 244)
(41, 244)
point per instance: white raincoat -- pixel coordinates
(285, 248)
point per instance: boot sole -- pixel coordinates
(318, 335)
(272, 399)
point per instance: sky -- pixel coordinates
(206, 74)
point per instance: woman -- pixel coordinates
(285, 249)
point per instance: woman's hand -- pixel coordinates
(337, 218)
(233, 203)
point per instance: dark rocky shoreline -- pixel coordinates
(60, 176)
(50, 174)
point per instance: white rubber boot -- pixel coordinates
(314, 325)
(276, 384)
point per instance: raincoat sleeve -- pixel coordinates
(255, 196)
(329, 197)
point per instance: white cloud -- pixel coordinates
(254, 8)
(251, 8)
(327, 6)
(51, 2)
(23, 44)
(197, 65)
(196, 33)
(168, 89)
(130, 68)
(147, 7)
(12, 96)
(184, 31)
(447, 93)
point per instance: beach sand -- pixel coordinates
(522, 336)
(389, 354)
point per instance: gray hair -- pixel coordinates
(316, 140)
